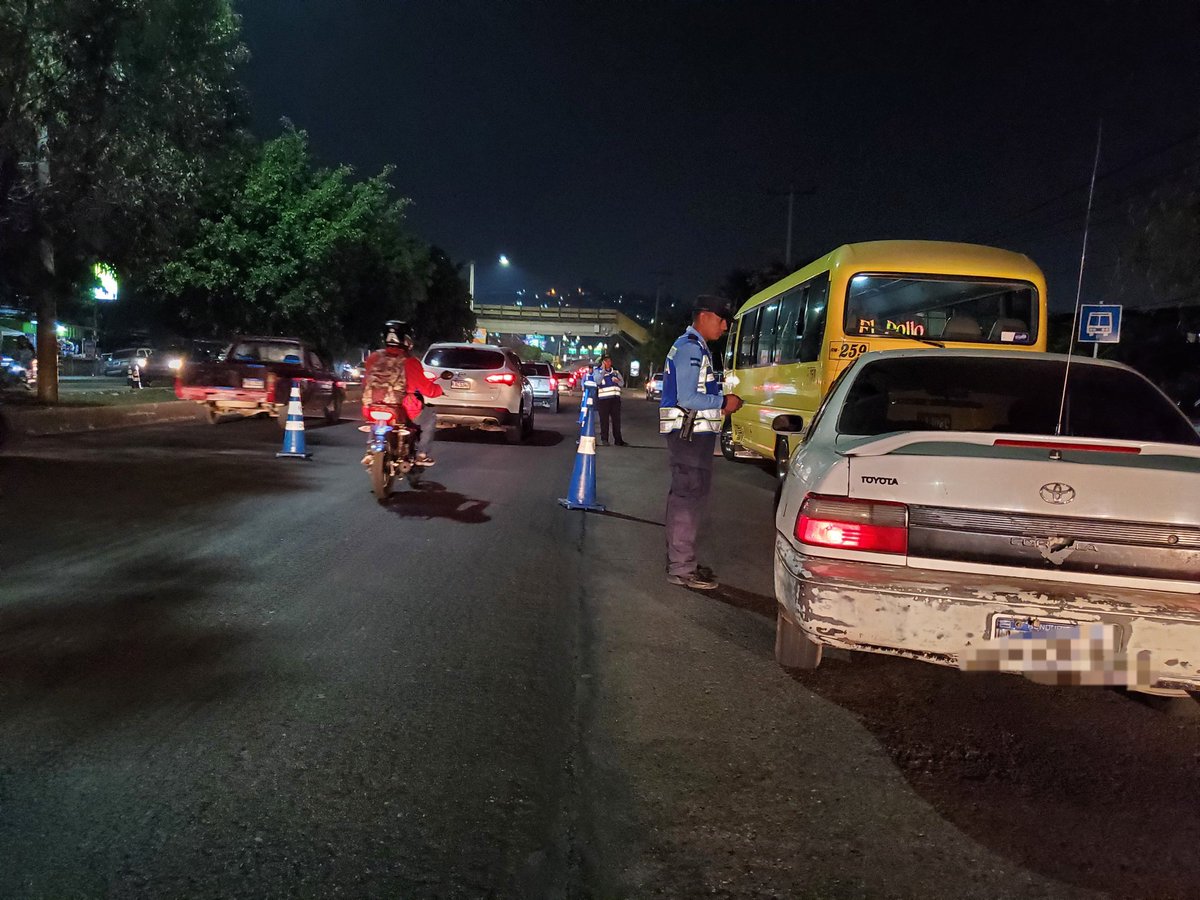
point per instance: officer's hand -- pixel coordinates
(732, 404)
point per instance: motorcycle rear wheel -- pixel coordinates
(381, 476)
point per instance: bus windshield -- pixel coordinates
(977, 311)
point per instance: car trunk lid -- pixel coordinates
(1043, 504)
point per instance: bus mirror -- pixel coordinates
(787, 424)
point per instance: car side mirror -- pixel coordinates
(788, 424)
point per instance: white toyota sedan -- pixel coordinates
(995, 510)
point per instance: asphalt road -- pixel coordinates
(227, 675)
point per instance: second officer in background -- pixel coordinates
(608, 401)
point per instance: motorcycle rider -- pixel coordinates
(393, 376)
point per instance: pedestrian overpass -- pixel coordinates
(562, 322)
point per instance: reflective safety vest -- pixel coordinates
(670, 414)
(608, 384)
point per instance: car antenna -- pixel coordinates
(1087, 221)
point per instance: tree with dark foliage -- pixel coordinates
(110, 111)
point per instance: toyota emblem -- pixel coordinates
(1057, 493)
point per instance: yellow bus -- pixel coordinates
(789, 342)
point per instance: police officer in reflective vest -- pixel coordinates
(690, 416)
(608, 401)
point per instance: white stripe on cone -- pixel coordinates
(294, 426)
(587, 446)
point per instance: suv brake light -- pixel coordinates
(502, 378)
(554, 384)
(847, 524)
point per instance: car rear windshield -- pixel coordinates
(537, 370)
(1019, 395)
(266, 351)
(464, 358)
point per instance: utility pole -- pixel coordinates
(791, 193)
(659, 276)
(787, 257)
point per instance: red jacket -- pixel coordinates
(414, 378)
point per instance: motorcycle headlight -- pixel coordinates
(175, 363)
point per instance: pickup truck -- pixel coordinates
(255, 376)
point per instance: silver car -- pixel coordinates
(486, 390)
(654, 386)
(544, 383)
(981, 509)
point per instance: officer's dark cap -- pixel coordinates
(713, 304)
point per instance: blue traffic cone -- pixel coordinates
(587, 401)
(293, 434)
(582, 492)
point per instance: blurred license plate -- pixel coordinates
(461, 384)
(252, 384)
(1033, 627)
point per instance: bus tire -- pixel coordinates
(782, 455)
(726, 439)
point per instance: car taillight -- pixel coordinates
(554, 384)
(382, 414)
(502, 378)
(853, 524)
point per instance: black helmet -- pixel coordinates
(395, 333)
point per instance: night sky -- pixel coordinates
(600, 143)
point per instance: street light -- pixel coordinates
(503, 260)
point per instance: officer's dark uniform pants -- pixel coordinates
(691, 480)
(610, 411)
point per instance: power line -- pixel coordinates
(980, 234)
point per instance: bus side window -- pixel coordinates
(791, 325)
(747, 339)
(730, 345)
(814, 318)
(766, 333)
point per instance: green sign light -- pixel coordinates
(107, 286)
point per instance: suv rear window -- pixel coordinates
(267, 351)
(1021, 395)
(540, 370)
(463, 358)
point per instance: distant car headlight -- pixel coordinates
(175, 363)
(139, 362)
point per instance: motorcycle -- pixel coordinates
(391, 449)
(391, 445)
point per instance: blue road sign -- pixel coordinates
(1099, 323)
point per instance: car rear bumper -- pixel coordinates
(481, 417)
(226, 398)
(949, 617)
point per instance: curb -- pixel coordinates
(46, 422)
(22, 423)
